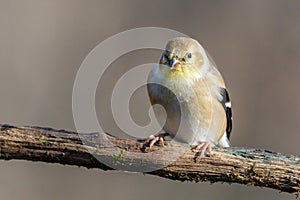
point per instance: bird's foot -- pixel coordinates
(203, 149)
(154, 139)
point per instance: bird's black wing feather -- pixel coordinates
(227, 107)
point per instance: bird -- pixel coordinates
(187, 83)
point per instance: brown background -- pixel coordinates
(256, 45)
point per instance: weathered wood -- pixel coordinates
(174, 161)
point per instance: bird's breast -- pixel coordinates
(185, 116)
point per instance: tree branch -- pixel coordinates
(175, 161)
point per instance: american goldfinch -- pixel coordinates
(192, 91)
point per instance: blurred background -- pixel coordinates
(256, 45)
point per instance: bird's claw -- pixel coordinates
(155, 139)
(203, 149)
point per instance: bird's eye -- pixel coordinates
(189, 55)
(164, 58)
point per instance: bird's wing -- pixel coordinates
(224, 100)
(227, 107)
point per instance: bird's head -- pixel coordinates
(183, 58)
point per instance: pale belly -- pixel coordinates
(186, 121)
(184, 124)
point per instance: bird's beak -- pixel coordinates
(174, 64)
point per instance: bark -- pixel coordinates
(174, 161)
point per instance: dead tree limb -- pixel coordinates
(232, 165)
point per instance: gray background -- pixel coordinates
(256, 45)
